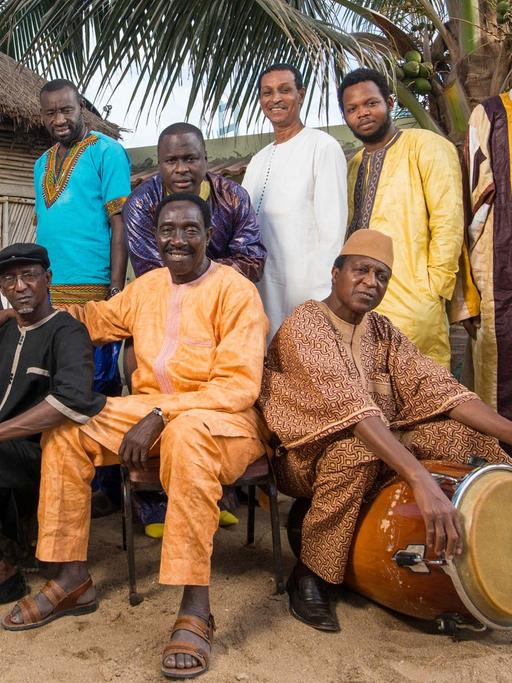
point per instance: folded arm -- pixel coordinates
(70, 394)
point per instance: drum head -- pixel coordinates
(483, 573)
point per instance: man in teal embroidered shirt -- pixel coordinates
(81, 184)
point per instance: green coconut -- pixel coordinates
(413, 56)
(399, 73)
(426, 70)
(411, 68)
(422, 86)
(503, 7)
(501, 18)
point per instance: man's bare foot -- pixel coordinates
(69, 576)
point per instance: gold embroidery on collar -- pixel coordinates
(204, 192)
(54, 184)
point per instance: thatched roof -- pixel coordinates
(19, 99)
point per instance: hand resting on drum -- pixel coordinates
(444, 531)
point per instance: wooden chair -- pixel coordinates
(259, 474)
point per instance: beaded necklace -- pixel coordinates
(267, 174)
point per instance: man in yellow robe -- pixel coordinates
(406, 184)
(199, 339)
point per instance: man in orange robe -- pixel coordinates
(199, 339)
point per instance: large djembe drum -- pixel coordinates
(390, 563)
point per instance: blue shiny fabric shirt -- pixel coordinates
(236, 238)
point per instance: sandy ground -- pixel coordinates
(256, 639)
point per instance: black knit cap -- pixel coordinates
(24, 252)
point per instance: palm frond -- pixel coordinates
(223, 44)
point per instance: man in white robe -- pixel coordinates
(298, 187)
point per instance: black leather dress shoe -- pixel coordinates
(309, 602)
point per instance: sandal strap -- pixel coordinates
(182, 648)
(196, 625)
(29, 610)
(53, 592)
(58, 597)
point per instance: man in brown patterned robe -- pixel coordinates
(346, 393)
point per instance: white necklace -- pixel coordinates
(267, 174)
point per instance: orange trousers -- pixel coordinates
(194, 465)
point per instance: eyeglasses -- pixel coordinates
(29, 277)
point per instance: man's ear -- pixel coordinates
(48, 277)
(209, 235)
(302, 95)
(390, 102)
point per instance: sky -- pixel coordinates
(145, 133)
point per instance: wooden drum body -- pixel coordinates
(389, 562)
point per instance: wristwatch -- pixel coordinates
(112, 292)
(159, 412)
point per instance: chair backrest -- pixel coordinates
(129, 362)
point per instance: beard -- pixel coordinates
(378, 135)
(76, 131)
(25, 309)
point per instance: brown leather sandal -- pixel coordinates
(189, 622)
(63, 605)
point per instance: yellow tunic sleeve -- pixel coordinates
(442, 188)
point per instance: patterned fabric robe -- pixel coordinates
(322, 377)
